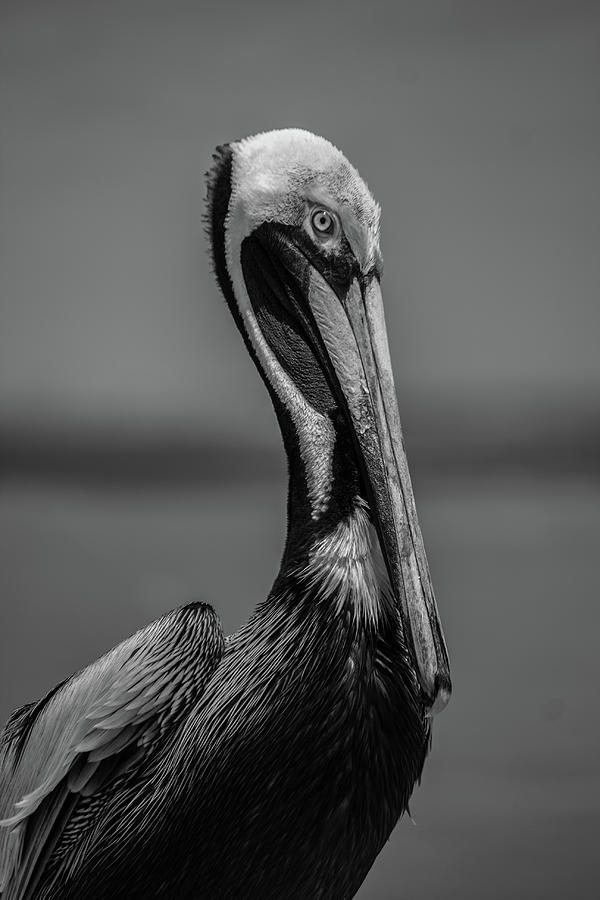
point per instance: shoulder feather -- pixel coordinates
(95, 726)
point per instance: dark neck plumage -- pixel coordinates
(316, 505)
(332, 563)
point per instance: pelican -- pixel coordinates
(274, 762)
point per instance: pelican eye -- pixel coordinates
(323, 222)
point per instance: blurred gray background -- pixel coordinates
(140, 463)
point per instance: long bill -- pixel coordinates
(355, 338)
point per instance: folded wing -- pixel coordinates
(94, 727)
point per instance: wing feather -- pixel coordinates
(91, 729)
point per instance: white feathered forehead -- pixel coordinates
(275, 173)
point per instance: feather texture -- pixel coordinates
(99, 724)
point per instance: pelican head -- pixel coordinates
(295, 240)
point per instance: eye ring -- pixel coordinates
(323, 222)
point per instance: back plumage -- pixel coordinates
(91, 734)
